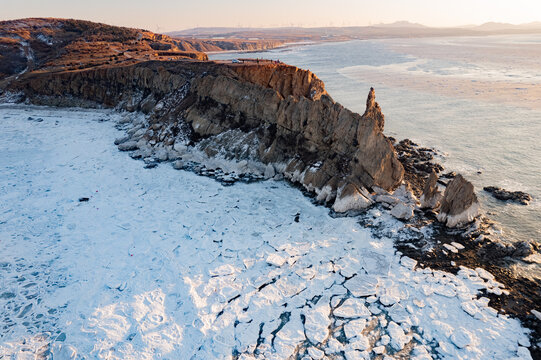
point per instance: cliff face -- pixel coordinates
(330, 145)
(286, 80)
(301, 132)
(274, 114)
(207, 45)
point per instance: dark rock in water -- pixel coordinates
(83, 199)
(150, 165)
(431, 194)
(297, 217)
(504, 195)
(449, 175)
(497, 250)
(459, 205)
(417, 162)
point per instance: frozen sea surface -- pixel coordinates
(160, 263)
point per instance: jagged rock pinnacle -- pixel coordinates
(371, 100)
(373, 110)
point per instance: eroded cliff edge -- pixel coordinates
(285, 115)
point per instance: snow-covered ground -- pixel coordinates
(161, 263)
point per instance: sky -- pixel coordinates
(169, 15)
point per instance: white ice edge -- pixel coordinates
(464, 217)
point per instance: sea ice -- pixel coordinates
(352, 308)
(163, 263)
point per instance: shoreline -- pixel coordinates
(334, 239)
(432, 252)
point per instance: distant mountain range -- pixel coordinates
(396, 29)
(497, 26)
(401, 24)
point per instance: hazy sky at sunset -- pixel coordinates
(167, 15)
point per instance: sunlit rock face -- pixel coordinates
(67, 44)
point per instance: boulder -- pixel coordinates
(128, 146)
(459, 205)
(269, 171)
(405, 194)
(178, 165)
(402, 211)
(350, 197)
(493, 250)
(431, 197)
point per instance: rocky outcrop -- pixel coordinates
(418, 163)
(505, 195)
(459, 205)
(301, 132)
(208, 45)
(431, 197)
(517, 250)
(321, 139)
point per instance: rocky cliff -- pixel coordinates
(300, 131)
(208, 45)
(276, 119)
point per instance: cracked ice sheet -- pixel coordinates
(164, 263)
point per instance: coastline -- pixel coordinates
(426, 117)
(275, 122)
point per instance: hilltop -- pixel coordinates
(66, 44)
